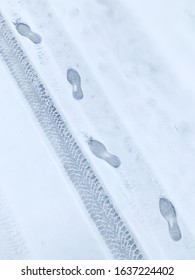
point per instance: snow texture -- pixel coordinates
(97, 152)
(101, 210)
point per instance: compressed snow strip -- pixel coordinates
(99, 205)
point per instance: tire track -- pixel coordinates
(110, 225)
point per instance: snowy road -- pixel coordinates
(132, 94)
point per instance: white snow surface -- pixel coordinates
(136, 63)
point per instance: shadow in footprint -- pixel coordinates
(100, 151)
(75, 80)
(168, 212)
(25, 30)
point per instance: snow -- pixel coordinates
(42, 201)
(136, 63)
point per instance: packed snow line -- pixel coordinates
(110, 225)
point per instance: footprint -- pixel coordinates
(75, 80)
(100, 151)
(167, 210)
(24, 30)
